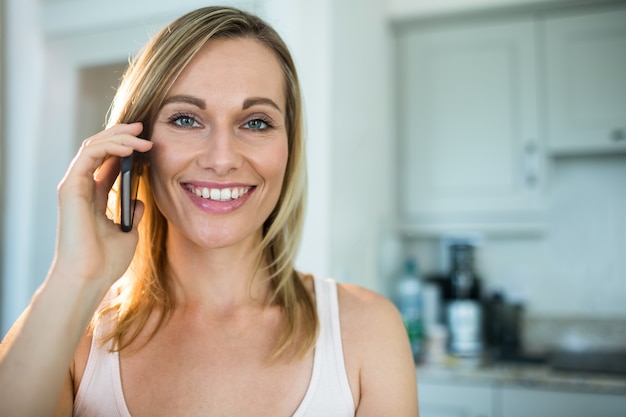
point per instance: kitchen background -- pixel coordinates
(502, 120)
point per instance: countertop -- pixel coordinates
(539, 376)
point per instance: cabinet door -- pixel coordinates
(450, 400)
(522, 402)
(585, 59)
(468, 123)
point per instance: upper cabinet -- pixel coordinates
(484, 101)
(471, 153)
(585, 68)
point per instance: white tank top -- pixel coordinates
(328, 395)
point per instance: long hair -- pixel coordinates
(145, 287)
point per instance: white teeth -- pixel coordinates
(220, 194)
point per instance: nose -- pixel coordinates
(221, 152)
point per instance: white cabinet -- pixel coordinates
(452, 400)
(523, 402)
(471, 155)
(585, 57)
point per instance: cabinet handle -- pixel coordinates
(618, 134)
(531, 163)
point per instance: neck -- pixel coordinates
(217, 279)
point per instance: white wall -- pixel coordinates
(363, 139)
(400, 9)
(23, 110)
(578, 268)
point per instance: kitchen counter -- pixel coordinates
(540, 376)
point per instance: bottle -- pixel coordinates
(464, 314)
(464, 283)
(408, 299)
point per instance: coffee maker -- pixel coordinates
(463, 307)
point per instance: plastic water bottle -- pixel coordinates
(408, 299)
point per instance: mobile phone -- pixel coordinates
(129, 183)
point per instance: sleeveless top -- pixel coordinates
(100, 392)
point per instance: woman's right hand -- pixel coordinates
(90, 246)
(92, 252)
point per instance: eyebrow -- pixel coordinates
(185, 99)
(259, 100)
(198, 102)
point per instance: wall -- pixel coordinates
(23, 99)
(363, 139)
(401, 9)
(578, 268)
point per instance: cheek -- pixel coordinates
(278, 163)
(162, 163)
(166, 157)
(156, 165)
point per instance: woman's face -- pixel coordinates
(220, 144)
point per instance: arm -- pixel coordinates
(91, 253)
(377, 345)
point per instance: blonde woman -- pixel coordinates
(198, 310)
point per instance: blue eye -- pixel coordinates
(184, 121)
(256, 124)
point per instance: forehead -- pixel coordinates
(233, 68)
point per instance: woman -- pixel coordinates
(211, 319)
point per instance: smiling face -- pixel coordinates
(220, 144)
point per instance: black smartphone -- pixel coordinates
(129, 184)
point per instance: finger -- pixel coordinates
(94, 153)
(104, 179)
(119, 140)
(116, 141)
(108, 171)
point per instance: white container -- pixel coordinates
(464, 319)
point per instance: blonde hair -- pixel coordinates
(140, 95)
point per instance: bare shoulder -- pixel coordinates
(377, 353)
(360, 306)
(369, 321)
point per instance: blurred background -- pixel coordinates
(432, 127)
